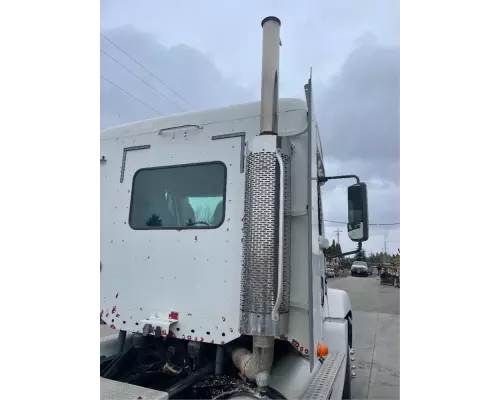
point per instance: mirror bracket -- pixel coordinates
(360, 247)
(323, 179)
(358, 235)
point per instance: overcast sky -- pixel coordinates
(209, 55)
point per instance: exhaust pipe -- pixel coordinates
(264, 314)
(256, 365)
(270, 77)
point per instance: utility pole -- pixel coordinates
(385, 248)
(338, 235)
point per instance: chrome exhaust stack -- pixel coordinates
(270, 76)
(265, 284)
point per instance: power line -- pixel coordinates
(341, 222)
(131, 95)
(148, 71)
(143, 81)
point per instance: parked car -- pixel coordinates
(360, 268)
(330, 271)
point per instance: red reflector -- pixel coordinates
(173, 315)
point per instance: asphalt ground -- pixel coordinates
(376, 336)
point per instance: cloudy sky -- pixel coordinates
(208, 54)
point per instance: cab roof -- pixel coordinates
(204, 117)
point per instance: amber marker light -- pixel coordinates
(322, 350)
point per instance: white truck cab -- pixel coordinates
(212, 264)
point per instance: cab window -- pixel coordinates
(179, 197)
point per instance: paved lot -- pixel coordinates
(376, 336)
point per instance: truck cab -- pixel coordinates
(212, 264)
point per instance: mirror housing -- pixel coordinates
(357, 199)
(323, 243)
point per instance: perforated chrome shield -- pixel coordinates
(259, 283)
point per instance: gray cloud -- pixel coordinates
(358, 113)
(187, 71)
(319, 34)
(358, 116)
(358, 110)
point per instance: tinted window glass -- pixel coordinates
(178, 197)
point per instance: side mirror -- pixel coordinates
(357, 227)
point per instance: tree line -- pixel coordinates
(334, 250)
(381, 257)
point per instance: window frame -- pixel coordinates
(178, 228)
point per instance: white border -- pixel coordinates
(49, 250)
(50, 202)
(449, 141)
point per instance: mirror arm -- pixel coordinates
(345, 254)
(323, 179)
